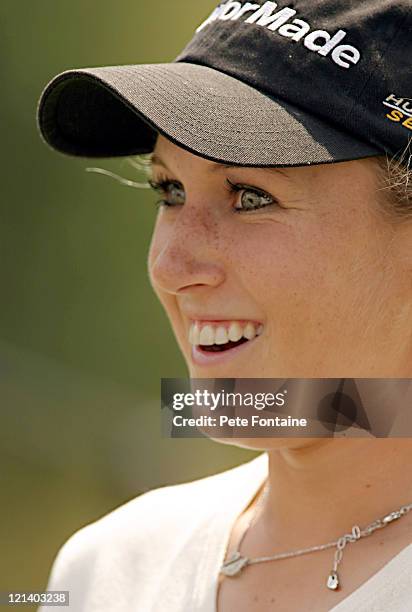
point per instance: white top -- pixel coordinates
(162, 551)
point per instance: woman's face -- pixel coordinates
(302, 254)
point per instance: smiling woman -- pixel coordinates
(281, 249)
(272, 243)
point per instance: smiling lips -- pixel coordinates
(221, 333)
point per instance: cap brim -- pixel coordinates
(119, 110)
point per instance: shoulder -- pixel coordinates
(167, 506)
(153, 519)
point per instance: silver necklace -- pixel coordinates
(236, 562)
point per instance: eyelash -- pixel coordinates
(163, 184)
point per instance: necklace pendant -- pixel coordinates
(234, 564)
(333, 581)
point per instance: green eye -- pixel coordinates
(172, 192)
(175, 194)
(251, 198)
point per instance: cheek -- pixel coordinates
(302, 272)
(277, 259)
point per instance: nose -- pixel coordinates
(187, 251)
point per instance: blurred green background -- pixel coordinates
(83, 340)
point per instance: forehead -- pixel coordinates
(170, 155)
(360, 172)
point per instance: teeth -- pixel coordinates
(194, 334)
(221, 335)
(235, 332)
(207, 335)
(249, 332)
(211, 334)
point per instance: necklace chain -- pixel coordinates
(236, 562)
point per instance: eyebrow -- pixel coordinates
(156, 160)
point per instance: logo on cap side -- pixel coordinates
(401, 110)
(318, 41)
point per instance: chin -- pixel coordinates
(269, 444)
(246, 372)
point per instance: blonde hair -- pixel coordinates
(395, 185)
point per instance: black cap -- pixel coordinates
(260, 84)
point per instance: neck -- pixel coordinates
(319, 492)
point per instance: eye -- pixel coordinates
(172, 192)
(251, 198)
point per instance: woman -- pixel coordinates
(279, 221)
